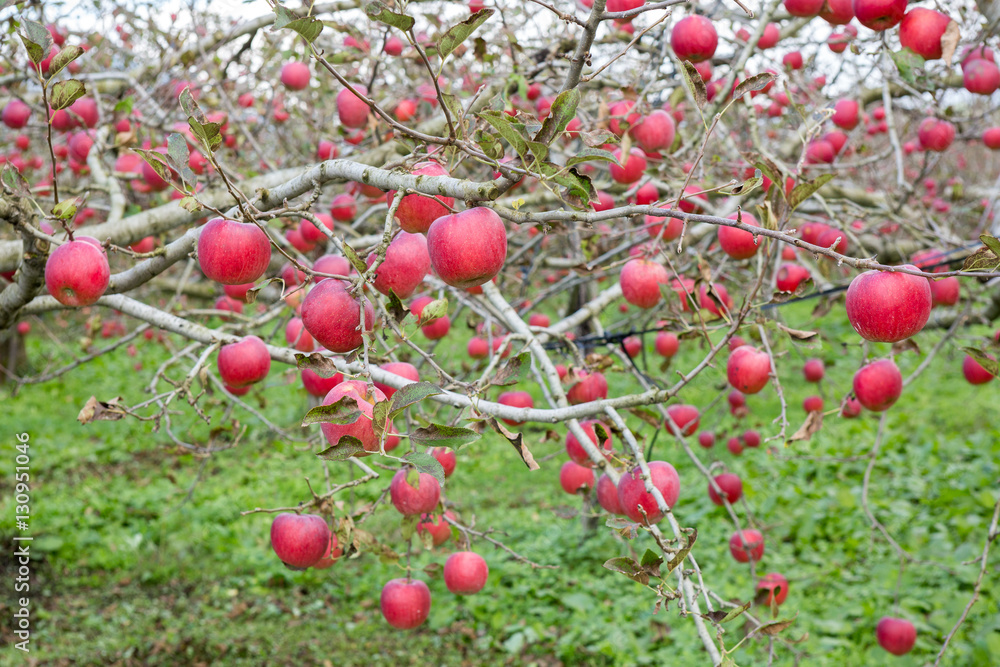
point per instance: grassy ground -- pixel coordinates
(141, 556)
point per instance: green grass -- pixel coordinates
(128, 569)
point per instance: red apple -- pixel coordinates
(574, 477)
(747, 544)
(845, 114)
(516, 399)
(318, 385)
(837, 12)
(974, 372)
(813, 404)
(351, 109)
(991, 138)
(878, 385)
(468, 248)
(446, 457)
(896, 635)
(666, 344)
(295, 334)
(737, 243)
(776, 587)
(365, 397)
(393, 46)
(694, 38)
(332, 315)
(233, 253)
(436, 526)
(412, 500)
(640, 282)
(936, 135)
(591, 387)
(748, 369)
(465, 573)
(685, 417)
(331, 555)
(770, 37)
(921, 31)
(981, 77)
(406, 263)
(295, 75)
(790, 276)
(806, 8)
(653, 133)
(945, 291)
(244, 362)
(299, 540)
(433, 329)
(731, 487)
(879, 14)
(888, 307)
(77, 273)
(405, 603)
(575, 450)
(850, 408)
(813, 370)
(607, 495)
(343, 208)
(400, 368)
(632, 494)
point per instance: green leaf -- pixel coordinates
(346, 447)
(591, 155)
(563, 110)
(515, 370)
(376, 11)
(746, 187)
(489, 143)
(38, 40)
(539, 150)
(507, 129)
(344, 411)
(411, 394)
(177, 150)
(908, 63)
(190, 106)
(991, 243)
(986, 361)
(308, 27)
(13, 179)
(437, 435)
(651, 559)
(316, 362)
(629, 568)
(65, 210)
(252, 293)
(67, 55)
(454, 106)
(805, 190)
(434, 310)
(65, 93)
(720, 616)
(753, 83)
(352, 256)
(695, 84)
(157, 162)
(426, 463)
(460, 32)
(208, 133)
(679, 557)
(408, 525)
(125, 106)
(982, 259)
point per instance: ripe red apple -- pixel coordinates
(845, 114)
(896, 635)
(333, 265)
(436, 526)
(331, 555)
(15, 114)
(632, 494)
(406, 263)
(813, 404)
(574, 477)
(974, 372)
(416, 212)
(735, 446)
(921, 31)
(619, 112)
(790, 276)
(400, 368)
(575, 450)
(666, 344)
(446, 457)
(792, 60)
(945, 291)
(731, 487)
(478, 348)
(405, 603)
(233, 253)
(77, 273)
(86, 109)
(888, 307)
(343, 208)
(673, 230)
(737, 243)
(814, 370)
(706, 439)
(748, 369)
(747, 544)
(465, 573)
(295, 334)
(607, 495)
(591, 387)
(751, 438)
(694, 38)
(640, 282)
(837, 12)
(351, 109)
(878, 385)
(806, 8)
(414, 500)
(991, 138)
(631, 168)
(653, 133)
(981, 77)
(708, 303)
(295, 75)
(539, 320)
(516, 399)
(879, 15)
(332, 315)
(935, 135)
(365, 397)
(468, 248)
(685, 417)
(244, 362)
(850, 408)
(770, 37)
(299, 540)
(776, 586)
(393, 46)
(318, 385)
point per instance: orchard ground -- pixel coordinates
(141, 556)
